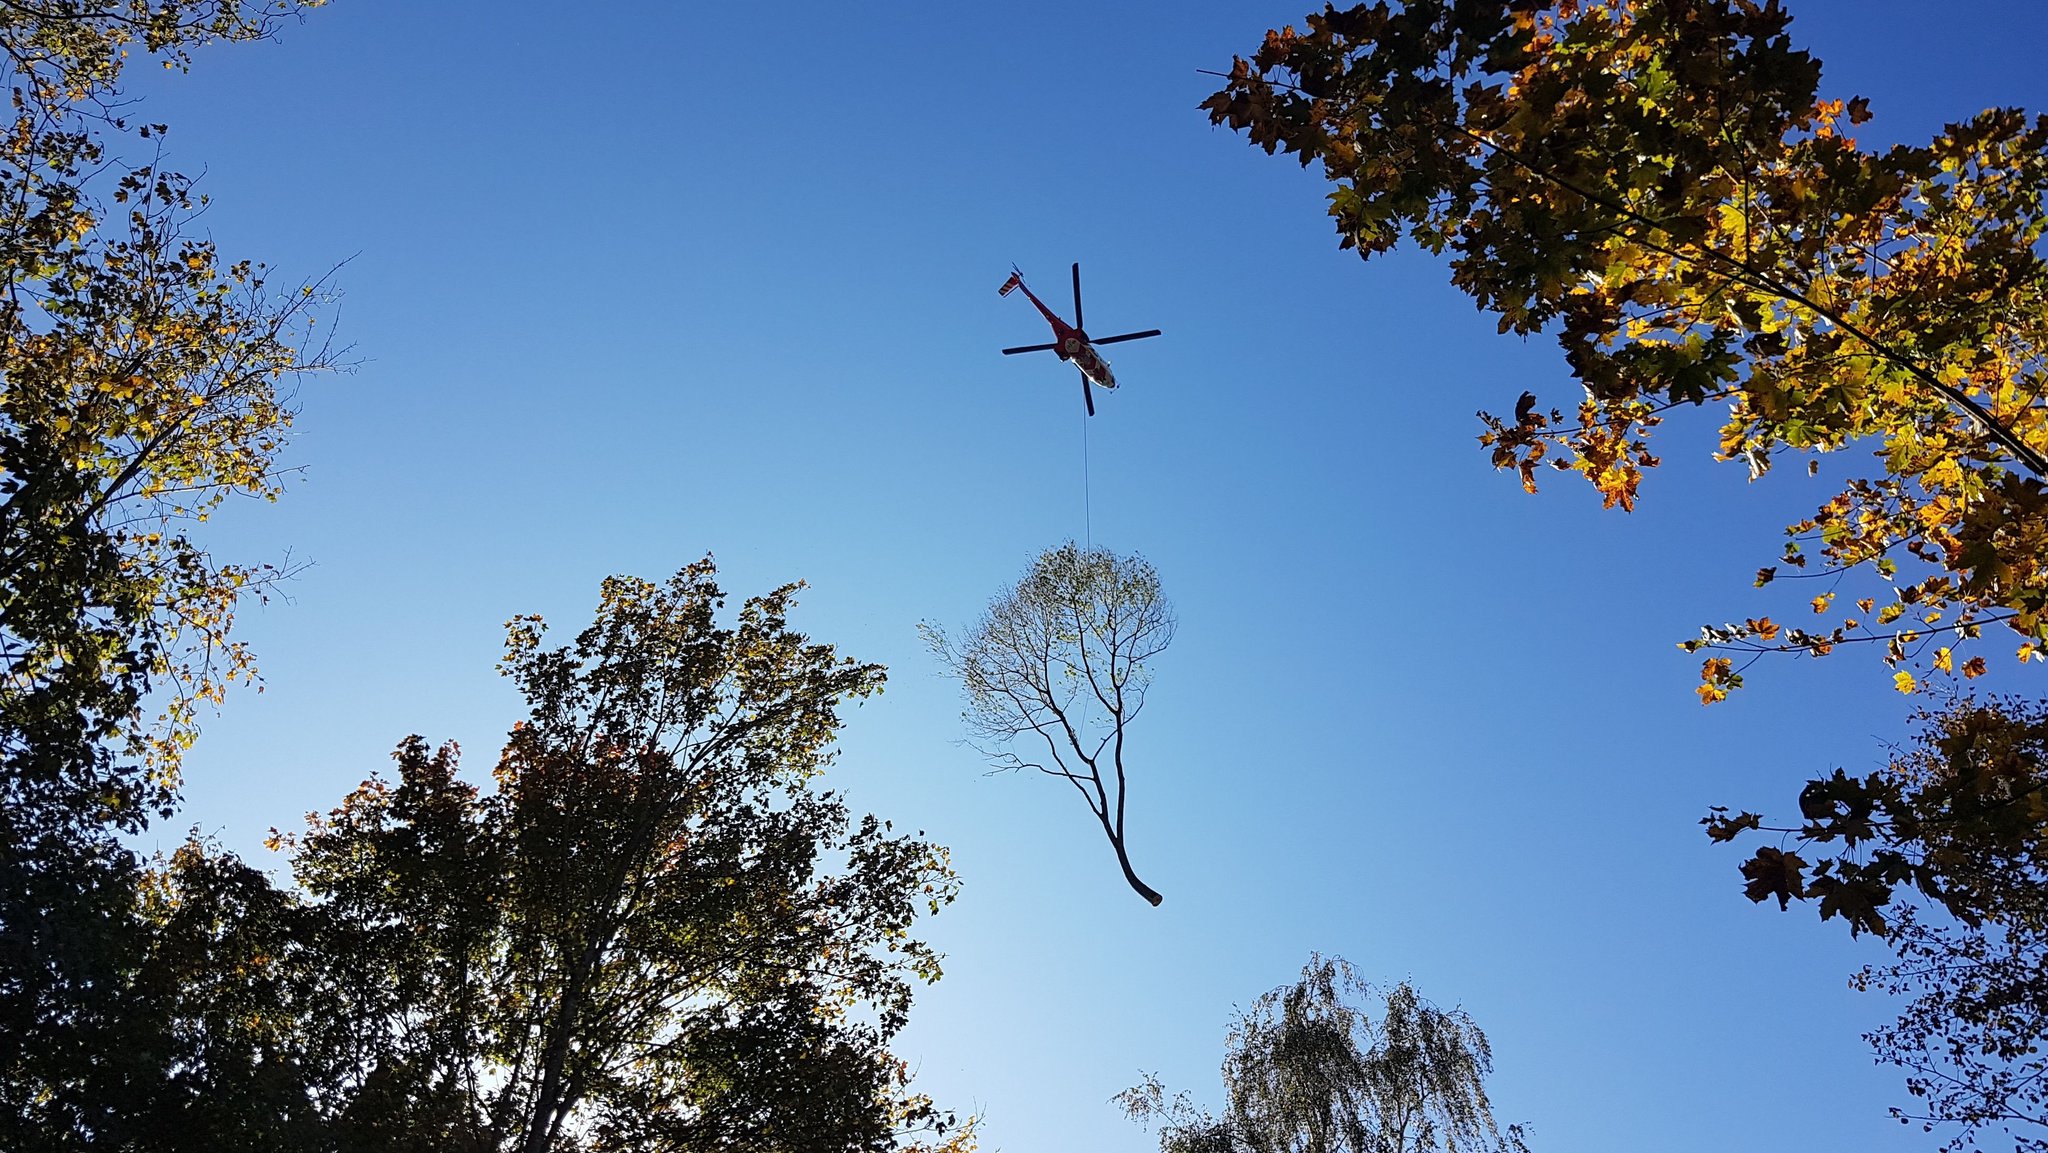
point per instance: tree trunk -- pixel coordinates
(1143, 890)
(547, 1098)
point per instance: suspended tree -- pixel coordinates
(1310, 1068)
(1056, 670)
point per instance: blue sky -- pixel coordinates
(634, 282)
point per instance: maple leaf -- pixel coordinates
(1774, 873)
(1855, 901)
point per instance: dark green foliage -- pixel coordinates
(654, 933)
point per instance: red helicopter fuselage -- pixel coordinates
(1070, 343)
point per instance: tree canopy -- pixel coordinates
(1663, 187)
(143, 381)
(655, 932)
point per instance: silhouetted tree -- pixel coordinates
(1943, 853)
(656, 933)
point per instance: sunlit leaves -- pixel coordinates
(142, 385)
(1662, 188)
(144, 380)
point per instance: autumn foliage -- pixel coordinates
(1664, 189)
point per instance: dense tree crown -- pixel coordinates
(1660, 185)
(1059, 665)
(654, 932)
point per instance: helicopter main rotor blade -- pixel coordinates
(1126, 336)
(1087, 393)
(1030, 348)
(1078, 323)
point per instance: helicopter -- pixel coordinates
(1070, 342)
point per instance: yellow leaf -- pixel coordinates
(1944, 660)
(1904, 682)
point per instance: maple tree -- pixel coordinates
(1311, 1068)
(1660, 185)
(1067, 643)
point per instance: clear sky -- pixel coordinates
(631, 282)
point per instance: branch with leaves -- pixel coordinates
(1943, 854)
(1661, 186)
(144, 380)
